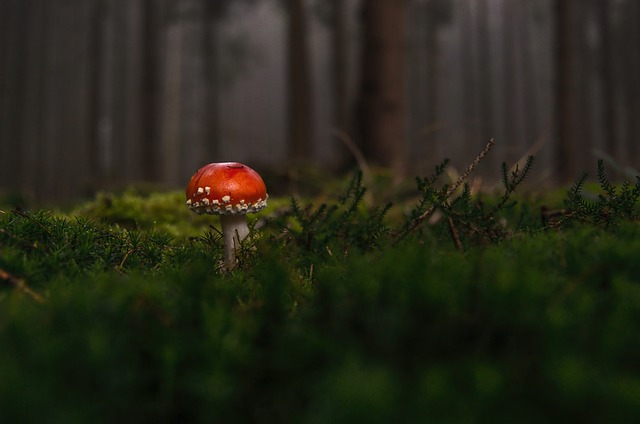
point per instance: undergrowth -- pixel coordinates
(612, 205)
(341, 226)
(472, 307)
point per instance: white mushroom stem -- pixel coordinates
(234, 230)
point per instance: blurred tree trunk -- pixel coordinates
(565, 165)
(299, 113)
(469, 64)
(186, 127)
(512, 94)
(340, 74)
(607, 59)
(65, 101)
(150, 92)
(131, 154)
(528, 90)
(339, 65)
(436, 14)
(193, 136)
(382, 107)
(212, 15)
(422, 30)
(621, 72)
(32, 115)
(633, 72)
(170, 124)
(13, 40)
(486, 72)
(114, 106)
(96, 74)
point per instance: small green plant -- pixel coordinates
(612, 206)
(479, 223)
(38, 247)
(341, 226)
(466, 218)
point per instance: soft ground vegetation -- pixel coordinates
(450, 307)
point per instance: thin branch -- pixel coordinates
(455, 235)
(360, 160)
(419, 220)
(471, 167)
(20, 285)
(120, 267)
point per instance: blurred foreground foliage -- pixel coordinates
(336, 313)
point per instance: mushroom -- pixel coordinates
(231, 190)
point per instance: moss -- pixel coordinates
(321, 322)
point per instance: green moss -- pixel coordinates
(328, 318)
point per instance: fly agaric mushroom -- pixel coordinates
(231, 190)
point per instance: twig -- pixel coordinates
(20, 284)
(360, 160)
(355, 151)
(462, 178)
(455, 235)
(470, 168)
(124, 259)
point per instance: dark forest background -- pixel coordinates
(99, 94)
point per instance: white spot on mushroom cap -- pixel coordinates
(215, 207)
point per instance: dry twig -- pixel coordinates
(455, 235)
(453, 188)
(21, 285)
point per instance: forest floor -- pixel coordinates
(447, 306)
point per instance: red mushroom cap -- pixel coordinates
(226, 188)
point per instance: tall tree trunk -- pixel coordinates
(486, 70)
(150, 93)
(340, 74)
(624, 74)
(13, 20)
(212, 120)
(529, 112)
(96, 74)
(633, 72)
(565, 162)
(193, 130)
(131, 155)
(606, 62)
(339, 65)
(300, 114)
(32, 117)
(433, 19)
(169, 146)
(422, 31)
(512, 93)
(383, 109)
